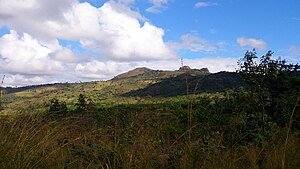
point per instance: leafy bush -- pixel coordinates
(275, 85)
(57, 108)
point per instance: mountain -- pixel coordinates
(179, 82)
(134, 73)
(146, 73)
(189, 84)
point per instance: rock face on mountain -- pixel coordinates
(184, 68)
(204, 70)
(188, 69)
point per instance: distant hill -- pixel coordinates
(134, 73)
(189, 84)
(24, 88)
(146, 73)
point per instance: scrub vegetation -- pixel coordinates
(157, 119)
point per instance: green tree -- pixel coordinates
(267, 73)
(57, 108)
(275, 84)
(90, 105)
(1, 89)
(81, 104)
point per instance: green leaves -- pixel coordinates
(81, 104)
(273, 83)
(57, 108)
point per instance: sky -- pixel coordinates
(50, 41)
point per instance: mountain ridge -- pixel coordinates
(147, 73)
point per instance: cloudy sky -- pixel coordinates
(46, 41)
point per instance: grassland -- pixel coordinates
(111, 129)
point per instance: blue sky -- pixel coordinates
(71, 40)
(275, 21)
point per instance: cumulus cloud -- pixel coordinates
(192, 43)
(157, 6)
(114, 30)
(97, 70)
(62, 54)
(31, 16)
(251, 42)
(202, 4)
(25, 55)
(121, 37)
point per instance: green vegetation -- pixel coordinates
(157, 119)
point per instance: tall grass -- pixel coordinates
(34, 141)
(138, 139)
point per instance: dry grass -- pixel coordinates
(34, 141)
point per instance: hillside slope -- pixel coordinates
(146, 73)
(188, 84)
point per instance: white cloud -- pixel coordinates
(25, 55)
(255, 43)
(62, 54)
(202, 4)
(157, 5)
(30, 16)
(97, 70)
(21, 80)
(114, 30)
(192, 43)
(122, 37)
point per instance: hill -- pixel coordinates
(188, 84)
(146, 73)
